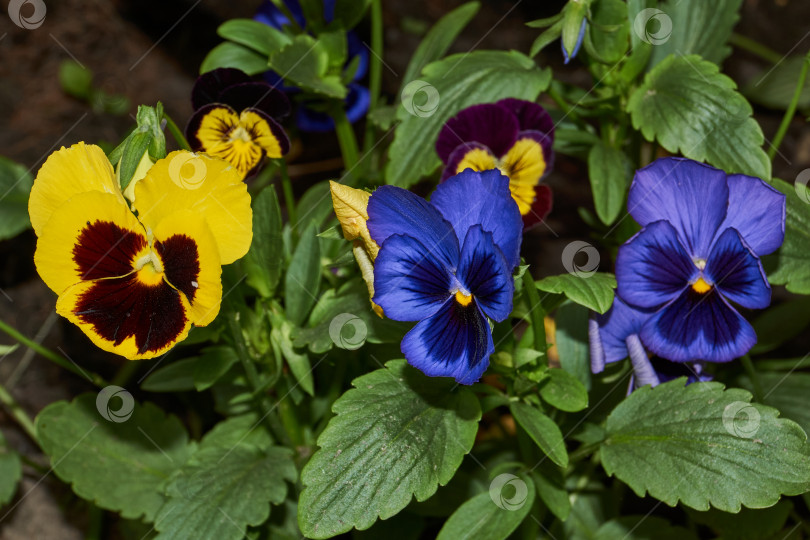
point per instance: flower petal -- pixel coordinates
(454, 342)
(757, 211)
(474, 156)
(484, 272)
(698, 327)
(393, 210)
(609, 333)
(210, 85)
(652, 268)
(530, 115)
(256, 95)
(92, 236)
(470, 198)
(490, 124)
(67, 173)
(737, 272)
(643, 371)
(410, 283)
(692, 196)
(543, 202)
(525, 164)
(207, 186)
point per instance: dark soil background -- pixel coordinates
(150, 50)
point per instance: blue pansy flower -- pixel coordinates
(698, 251)
(567, 56)
(357, 100)
(448, 265)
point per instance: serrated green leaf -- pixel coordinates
(264, 261)
(235, 430)
(689, 107)
(305, 63)
(610, 172)
(258, 36)
(15, 183)
(10, 472)
(303, 277)
(543, 431)
(459, 80)
(790, 266)
(563, 391)
(396, 435)
(703, 445)
(224, 489)
(482, 517)
(775, 86)
(233, 55)
(594, 291)
(119, 465)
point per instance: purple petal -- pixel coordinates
(757, 211)
(737, 272)
(476, 156)
(489, 124)
(541, 207)
(256, 95)
(484, 273)
(609, 333)
(210, 85)
(643, 372)
(530, 115)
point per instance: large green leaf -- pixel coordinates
(594, 291)
(264, 262)
(790, 266)
(119, 464)
(305, 63)
(303, 277)
(703, 445)
(260, 37)
(698, 27)
(563, 391)
(233, 55)
(493, 514)
(542, 430)
(223, 489)
(459, 81)
(689, 107)
(15, 185)
(396, 435)
(610, 172)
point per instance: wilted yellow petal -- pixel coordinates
(366, 265)
(140, 171)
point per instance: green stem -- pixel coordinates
(536, 314)
(375, 70)
(345, 134)
(754, 47)
(752, 374)
(289, 198)
(176, 133)
(52, 356)
(126, 372)
(18, 413)
(791, 110)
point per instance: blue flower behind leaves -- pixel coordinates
(447, 264)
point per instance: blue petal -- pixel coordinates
(484, 273)
(609, 333)
(393, 210)
(737, 272)
(409, 283)
(652, 268)
(690, 195)
(473, 197)
(757, 211)
(698, 327)
(454, 342)
(643, 371)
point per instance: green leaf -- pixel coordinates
(552, 492)
(235, 430)
(299, 363)
(780, 324)
(571, 337)
(212, 364)
(607, 35)
(459, 81)
(482, 517)
(439, 39)
(120, 465)
(641, 528)
(610, 172)
(303, 277)
(703, 445)
(786, 392)
(564, 391)
(543, 431)
(15, 186)
(75, 80)
(594, 291)
(549, 35)
(790, 266)
(224, 489)
(350, 12)
(698, 27)
(263, 263)
(258, 36)
(177, 376)
(234, 55)
(10, 472)
(305, 63)
(8, 349)
(397, 434)
(775, 86)
(691, 108)
(573, 18)
(136, 147)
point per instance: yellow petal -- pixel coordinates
(351, 209)
(67, 173)
(477, 159)
(92, 236)
(140, 171)
(261, 133)
(524, 164)
(366, 265)
(207, 186)
(191, 263)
